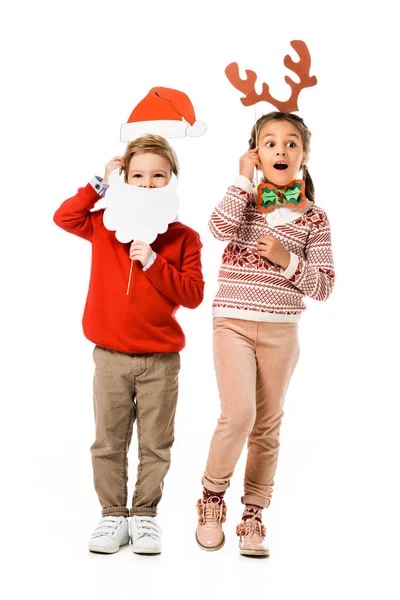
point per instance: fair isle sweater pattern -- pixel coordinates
(250, 284)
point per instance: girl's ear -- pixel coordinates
(304, 158)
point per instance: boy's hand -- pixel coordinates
(271, 248)
(248, 162)
(115, 163)
(140, 251)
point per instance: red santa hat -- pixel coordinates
(164, 112)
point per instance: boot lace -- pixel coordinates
(211, 511)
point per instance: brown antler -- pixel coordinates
(301, 68)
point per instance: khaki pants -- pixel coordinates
(254, 362)
(128, 387)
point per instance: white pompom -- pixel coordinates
(199, 128)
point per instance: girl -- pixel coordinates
(279, 251)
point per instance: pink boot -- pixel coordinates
(252, 533)
(212, 513)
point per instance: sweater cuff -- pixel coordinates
(292, 266)
(150, 261)
(89, 194)
(155, 265)
(242, 182)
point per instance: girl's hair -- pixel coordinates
(154, 144)
(305, 135)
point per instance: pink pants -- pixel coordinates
(254, 362)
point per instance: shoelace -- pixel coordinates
(252, 526)
(147, 527)
(107, 526)
(212, 511)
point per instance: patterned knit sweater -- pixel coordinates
(250, 286)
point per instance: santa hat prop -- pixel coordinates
(165, 112)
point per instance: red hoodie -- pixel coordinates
(143, 321)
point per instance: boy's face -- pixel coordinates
(281, 153)
(149, 170)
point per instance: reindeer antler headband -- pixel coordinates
(301, 68)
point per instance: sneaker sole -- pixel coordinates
(145, 551)
(207, 548)
(102, 550)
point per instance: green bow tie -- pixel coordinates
(291, 195)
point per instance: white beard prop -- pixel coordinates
(137, 213)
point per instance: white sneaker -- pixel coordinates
(145, 535)
(109, 535)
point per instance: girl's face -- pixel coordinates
(281, 152)
(149, 170)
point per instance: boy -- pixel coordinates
(137, 342)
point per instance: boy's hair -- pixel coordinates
(154, 144)
(305, 135)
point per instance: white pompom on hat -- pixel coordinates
(165, 112)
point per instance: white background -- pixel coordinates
(72, 72)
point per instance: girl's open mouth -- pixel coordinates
(281, 166)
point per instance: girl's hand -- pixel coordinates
(271, 248)
(248, 162)
(115, 163)
(140, 251)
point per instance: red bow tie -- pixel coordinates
(292, 195)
